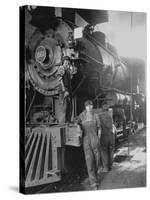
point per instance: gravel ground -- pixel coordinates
(129, 168)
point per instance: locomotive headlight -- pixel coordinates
(40, 54)
(78, 33)
(44, 56)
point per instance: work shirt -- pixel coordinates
(106, 122)
(90, 123)
(67, 73)
(107, 140)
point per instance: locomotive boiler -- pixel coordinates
(66, 62)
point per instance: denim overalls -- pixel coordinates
(91, 144)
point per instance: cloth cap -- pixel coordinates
(88, 102)
(66, 58)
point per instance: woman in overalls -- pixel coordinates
(107, 140)
(90, 125)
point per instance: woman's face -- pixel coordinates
(89, 107)
(66, 63)
(105, 107)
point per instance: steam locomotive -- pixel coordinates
(55, 93)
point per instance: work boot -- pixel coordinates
(94, 186)
(103, 170)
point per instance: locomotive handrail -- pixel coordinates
(75, 90)
(93, 59)
(33, 98)
(117, 90)
(112, 90)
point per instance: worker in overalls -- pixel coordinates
(66, 72)
(90, 125)
(107, 140)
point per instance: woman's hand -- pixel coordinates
(99, 133)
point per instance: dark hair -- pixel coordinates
(88, 102)
(104, 102)
(66, 58)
